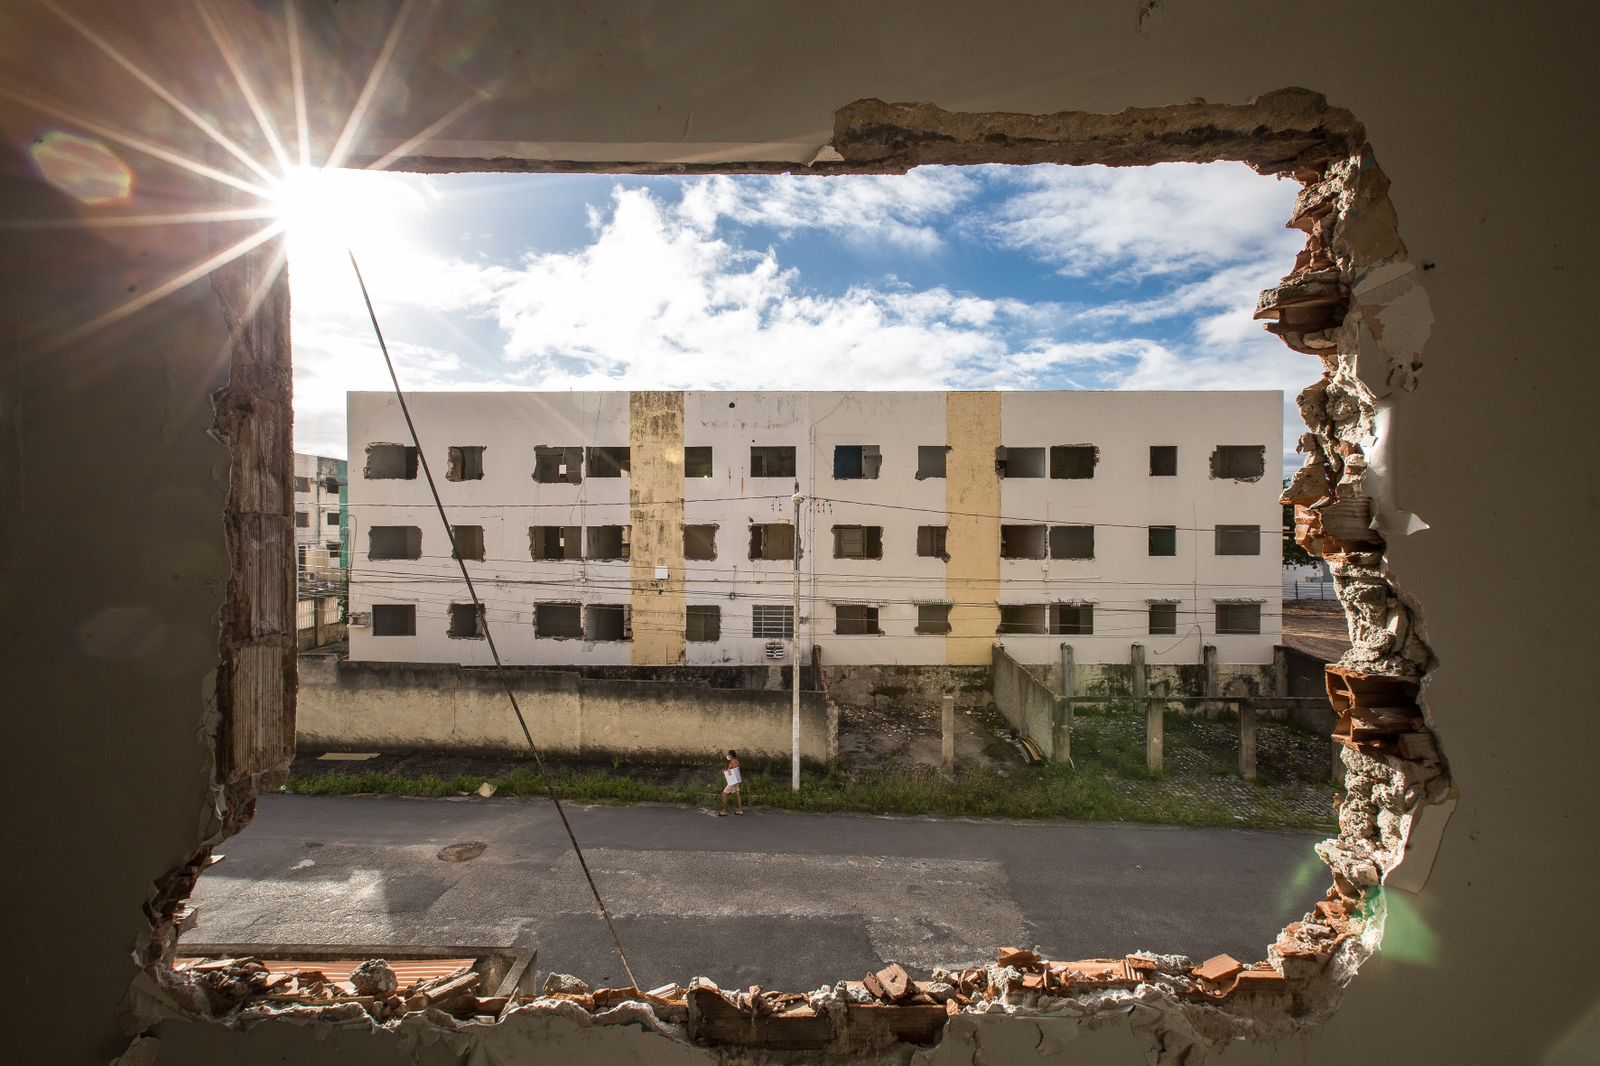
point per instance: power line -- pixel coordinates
(538, 759)
(1274, 530)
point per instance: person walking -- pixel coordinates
(733, 777)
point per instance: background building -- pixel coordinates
(656, 528)
(318, 514)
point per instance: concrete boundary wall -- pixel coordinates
(409, 706)
(1025, 700)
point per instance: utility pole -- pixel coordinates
(794, 633)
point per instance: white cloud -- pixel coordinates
(1139, 222)
(868, 210)
(659, 297)
(1234, 288)
(661, 300)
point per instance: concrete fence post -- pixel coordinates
(947, 728)
(1154, 711)
(1069, 689)
(1247, 740)
(1208, 660)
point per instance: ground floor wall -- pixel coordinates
(920, 688)
(400, 707)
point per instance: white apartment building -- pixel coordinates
(317, 511)
(655, 528)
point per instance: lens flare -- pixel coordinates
(82, 167)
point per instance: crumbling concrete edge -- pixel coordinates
(1353, 301)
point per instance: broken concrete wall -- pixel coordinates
(1025, 701)
(418, 707)
(915, 688)
(1114, 681)
(1491, 178)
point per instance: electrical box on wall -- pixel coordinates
(360, 618)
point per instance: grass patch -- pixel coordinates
(1034, 792)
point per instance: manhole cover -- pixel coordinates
(466, 849)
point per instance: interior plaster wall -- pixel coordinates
(111, 540)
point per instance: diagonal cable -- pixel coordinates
(483, 620)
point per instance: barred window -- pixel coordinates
(772, 621)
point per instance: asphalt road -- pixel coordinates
(777, 899)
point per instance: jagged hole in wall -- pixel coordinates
(1351, 301)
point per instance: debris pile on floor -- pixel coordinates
(371, 989)
(885, 1007)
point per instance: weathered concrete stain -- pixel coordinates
(655, 506)
(972, 499)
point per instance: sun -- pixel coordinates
(358, 208)
(327, 214)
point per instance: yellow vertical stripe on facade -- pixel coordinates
(655, 506)
(972, 576)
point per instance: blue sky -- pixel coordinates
(1037, 277)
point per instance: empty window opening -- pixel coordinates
(1072, 542)
(855, 619)
(1022, 542)
(855, 462)
(702, 623)
(1115, 624)
(1163, 540)
(547, 543)
(332, 518)
(394, 620)
(552, 465)
(1163, 619)
(610, 462)
(558, 621)
(1238, 618)
(466, 621)
(932, 460)
(700, 543)
(1163, 460)
(772, 621)
(1023, 618)
(334, 547)
(608, 621)
(1072, 618)
(933, 618)
(390, 461)
(697, 461)
(302, 520)
(607, 542)
(931, 542)
(858, 542)
(469, 542)
(394, 542)
(1240, 462)
(465, 463)
(1073, 461)
(771, 460)
(1238, 540)
(1019, 462)
(773, 541)
(302, 484)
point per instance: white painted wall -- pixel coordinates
(1122, 500)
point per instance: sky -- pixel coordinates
(1039, 277)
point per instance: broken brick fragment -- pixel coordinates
(896, 983)
(1218, 968)
(1018, 957)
